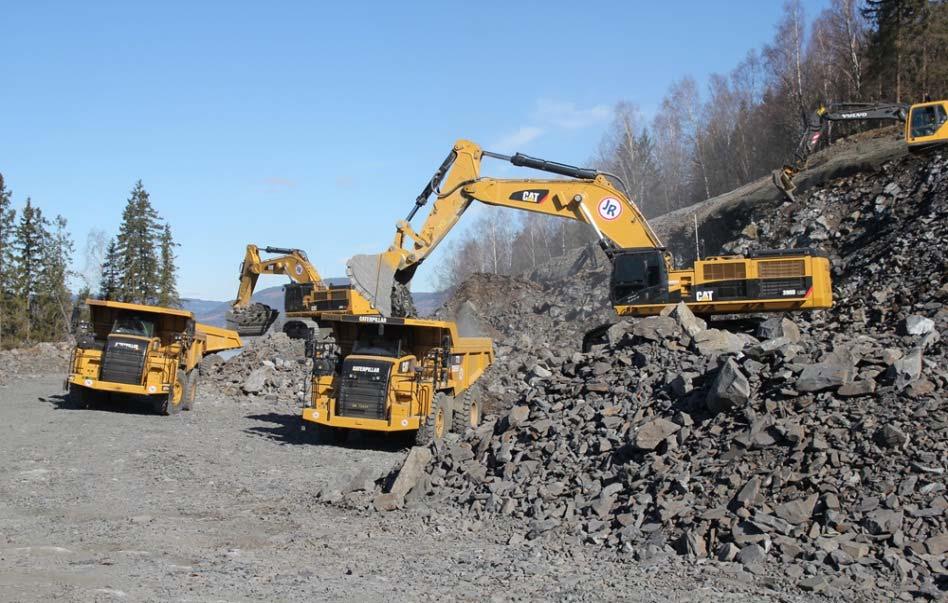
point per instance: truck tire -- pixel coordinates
(190, 390)
(435, 424)
(171, 403)
(80, 397)
(467, 415)
(327, 434)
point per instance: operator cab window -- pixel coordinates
(376, 346)
(133, 325)
(926, 120)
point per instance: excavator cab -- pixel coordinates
(927, 124)
(639, 276)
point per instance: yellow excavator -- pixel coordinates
(926, 125)
(643, 280)
(304, 299)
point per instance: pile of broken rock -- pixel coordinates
(273, 367)
(823, 453)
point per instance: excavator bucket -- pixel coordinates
(251, 320)
(374, 278)
(783, 179)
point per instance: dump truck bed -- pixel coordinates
(218, 339)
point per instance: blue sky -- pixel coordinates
(301, 125)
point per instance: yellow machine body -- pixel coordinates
(395, 374)
(143, 350)
(644, 280)
(927, 124)
(306, 297)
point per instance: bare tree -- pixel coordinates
(848, 41)
(785, 57)
(683, 96)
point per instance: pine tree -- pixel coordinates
(53, 299)
(29, 239)
(111, 272)
(167, 278)
(7, 267)
(139, 266)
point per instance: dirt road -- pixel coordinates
(220, 504)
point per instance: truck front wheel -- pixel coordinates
(171, 403)
(467, 415)
(435, 424)
(80, 397)
(190, 389)
(327, 434)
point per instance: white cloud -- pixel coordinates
(567, 115)
(550, 115)
(522, 136)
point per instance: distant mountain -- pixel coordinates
(215, 312)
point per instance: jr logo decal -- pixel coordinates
(610, 208)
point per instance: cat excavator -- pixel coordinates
(926, 125)
(643, 281)
(304, 299)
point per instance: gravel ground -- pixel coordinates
(220, 503)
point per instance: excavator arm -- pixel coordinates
(254, 319)
(643, 278)
(587, 196)
(816, 125)
(292, 262)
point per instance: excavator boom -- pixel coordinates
(643, 278)
(816, 124)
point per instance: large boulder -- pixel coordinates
(775, 327)
(714, 342)
(656, 328)
(412, 470)
(653, 433)
(730, 388)
(689, 323)
(907, 369)
(256, 381)
(824, 375)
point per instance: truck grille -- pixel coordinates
(363, 389)
(123, 360)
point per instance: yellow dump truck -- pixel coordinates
(377, 373)
(141, 350)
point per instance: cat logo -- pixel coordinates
(365, 369)
(534, 195)
(704, 296)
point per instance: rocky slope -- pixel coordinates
(816, 445)
(40, 359)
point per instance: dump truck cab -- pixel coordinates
(140, 350)
(386, 374)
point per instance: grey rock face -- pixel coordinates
(730, 388)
